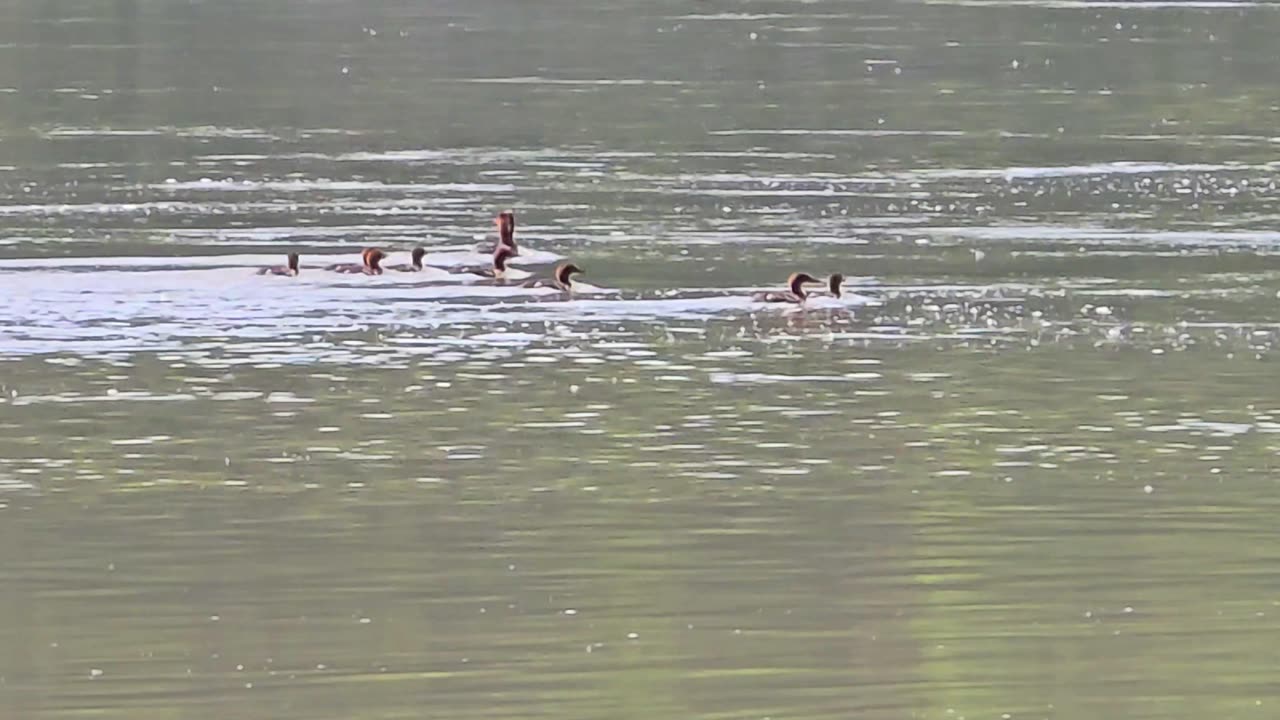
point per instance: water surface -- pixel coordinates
(1025, 470)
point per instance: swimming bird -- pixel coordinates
(506, 222)
(370, 264)
(415, 264)
(561, 279)
(499, 270)
(287, 270)
(834, 282)
(795, 290)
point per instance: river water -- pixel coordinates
(1026, 468)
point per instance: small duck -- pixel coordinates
(561, 279)
(288, 270)
(499, 270)
(834, 283)
(415, 264)
(506, 222)
(795, 290)
(370, 264)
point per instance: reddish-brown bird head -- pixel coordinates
(506, 222)
(564, 274)
(797, 282)
(372, 258)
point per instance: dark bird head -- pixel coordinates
(797, 281)
(565, 272)
(833, 284)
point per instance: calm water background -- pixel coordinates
(1032, 477)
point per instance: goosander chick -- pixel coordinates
(795, 290)
(561, 279)
(415, 264)
(371, 260)
(834, 282)
(506, 223)
(289, 270)
(499, 270)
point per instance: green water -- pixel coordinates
(1032, 476)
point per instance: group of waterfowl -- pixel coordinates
(505, 249)
(562, 278)
(795, 292)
